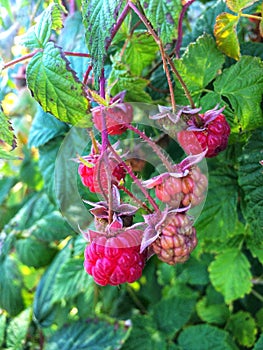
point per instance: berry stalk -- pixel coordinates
(135, 179)
(154, 147)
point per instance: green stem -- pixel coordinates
(136, 300)
(251, 16)
(257, 295)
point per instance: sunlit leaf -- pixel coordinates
(238, 5)
(237, 281)
(226, 36)
(38, 35)
(243, 327)
(55, 86)
(6, 130)
(99, 17)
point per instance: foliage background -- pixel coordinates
(47, 301)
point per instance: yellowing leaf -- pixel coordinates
(238, 5)
(226, 36)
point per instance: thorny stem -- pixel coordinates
(141, 203)
(167, 57)
(118, 24)
(86, 75)
(159, 43)
(135, 179)
(180, 28)
(78, 54)
(154, 147)
(178, 76)
(105, 143)
(20, 59)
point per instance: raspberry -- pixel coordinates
(176, 240)
(181, 192)
(116, 117)
(115, 260)
(213, 137)
(94, 175)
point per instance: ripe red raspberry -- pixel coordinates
(116, 117)
(94, 175)
(211, 131)
(115, 260)
(176, 240)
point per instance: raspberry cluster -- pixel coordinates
(118, 249)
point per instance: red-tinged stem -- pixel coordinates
(78, 54)
(72, 7)
(86, 75)
(119, 22)
(159, 43)
(180, 28)
(167, 57)
(137, 200)
(21, 59)
(154, 147)
(178, 76)
(135, 179)
(31, 54)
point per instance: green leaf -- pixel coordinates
(163, 16)
(200, 64)
(99, 17)
(2, 328)
(71, 280)
(7, 156)
(144, 335)
(219, 217)
(193, 272)
(122, 79)
(6, 130)
(251, 181)
(237, 281)
(47, 162)
(10, 287)
(72, 38)
(205, 337)
(44, 128)
(55, 86)
(259, 343)
(212, 313)
(243, 327)
(17, 330)
(226, 35)
(238, 5)
(94, 334)
(242, 85)
(44, 308)
(140, 52)
(38, 35)
(6, 183)
(172, 314)
(32, 252)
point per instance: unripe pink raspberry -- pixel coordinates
(177, 239)
(115, 260)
